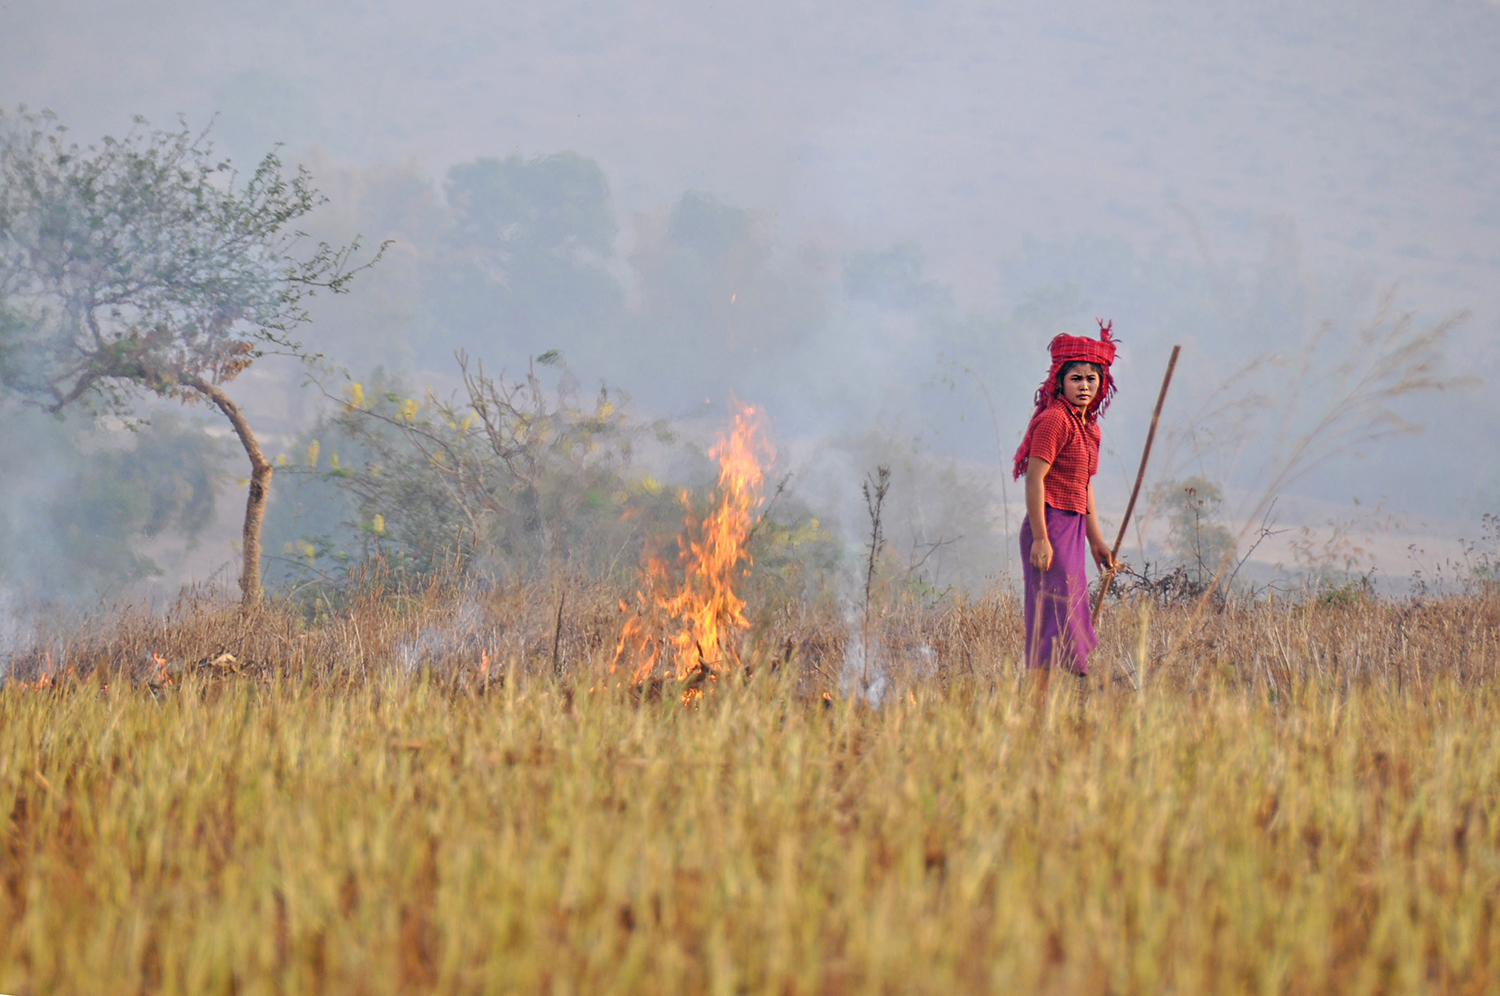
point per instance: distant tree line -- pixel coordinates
(145, 272)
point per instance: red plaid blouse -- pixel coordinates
(1070, 443)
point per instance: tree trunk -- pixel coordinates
(260, 487)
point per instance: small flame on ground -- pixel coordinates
(49, 678)
(694, 624)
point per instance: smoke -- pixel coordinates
(438, 645)
(17, 632)
(868, 222)
(86, 509)
(862, 674)
(869, 670)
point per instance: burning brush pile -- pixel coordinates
(688, 622)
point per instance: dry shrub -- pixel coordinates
(568, 628)
(1325, 822)
(1287, 797)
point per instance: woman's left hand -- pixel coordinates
(1102, 555)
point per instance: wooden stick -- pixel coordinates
(1140, 475)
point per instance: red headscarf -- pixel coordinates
(1067, 349)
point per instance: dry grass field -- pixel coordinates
(450, 793)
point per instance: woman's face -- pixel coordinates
(1080, 384)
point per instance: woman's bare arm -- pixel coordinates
(1036, 512)
(1102, 554)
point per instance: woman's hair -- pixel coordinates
(1067, 368)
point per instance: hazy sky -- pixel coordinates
(1373, 128)
(1374, 125)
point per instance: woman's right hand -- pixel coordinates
(1041, 554)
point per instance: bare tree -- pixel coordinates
(147, 266)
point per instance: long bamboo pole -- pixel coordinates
(1140, 475)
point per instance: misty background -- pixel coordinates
(867, 219)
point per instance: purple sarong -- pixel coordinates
(1058, 628)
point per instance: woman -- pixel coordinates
(1059, 456)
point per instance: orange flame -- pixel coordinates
(698, 620)
(45, 679)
